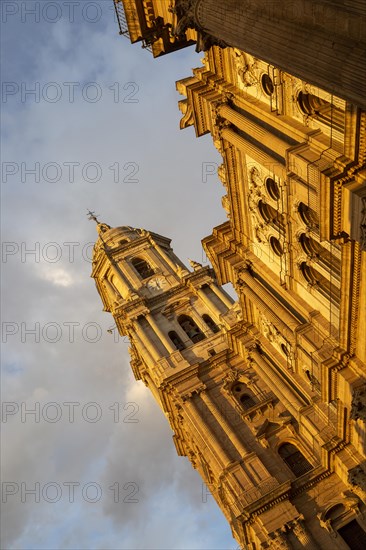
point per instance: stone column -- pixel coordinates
(141, 346)
(198, 320)
(277, 385)
(266, 303)
(181, 333)
(206, 432)
(166, 257)
(120, 276)
(224, 423)
(206, 300)
(112, 291)
(303, 535)
(254, 152)
(278, 145)
(164, 339)
(147, 342)
(220, 294)
(306, 38)
(132, 280)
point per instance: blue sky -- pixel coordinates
(102, 132)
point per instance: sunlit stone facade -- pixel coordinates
(266, 397)
(293, 169)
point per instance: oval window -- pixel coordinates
(267, 84)
(276, 246)
(272, 189)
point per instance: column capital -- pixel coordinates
(302, 534)
(279, 540)
(187, 18)
(188, 396)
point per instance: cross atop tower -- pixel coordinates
(92, 216)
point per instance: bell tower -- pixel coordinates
(163, 307)
(208, 372)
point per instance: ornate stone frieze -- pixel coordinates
(256, 193)
(274, 336)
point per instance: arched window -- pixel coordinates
(308, 216)
(241, 393)
(247, 401)
(142, 268)
(294, 459)
(176, 340)
(190, 328)
(210, 323)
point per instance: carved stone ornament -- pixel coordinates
(257, 193)
(205, 41)
(246, 67)
(181, 271)
(229, 380)
(255, 177)
(184, 11)
(363, 224)
(187, 111)
(185, 14)
(358, 409)
(103, 227)
(302, 534)
(273, 335)
(357, 478)
(325, 523)
(226, 204)
(221, 172)
(195, 265)
(351, 502)
(279, 541)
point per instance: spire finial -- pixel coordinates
(92, 216)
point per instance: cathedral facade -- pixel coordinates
(266, 396)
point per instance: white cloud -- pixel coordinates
(57, 276)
